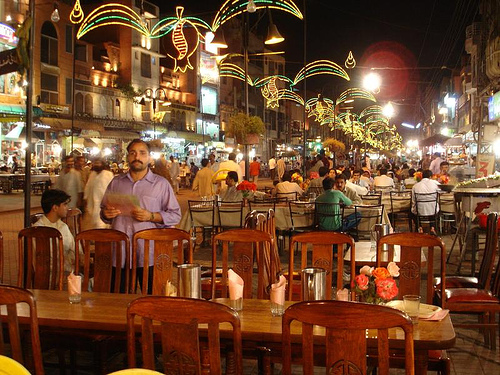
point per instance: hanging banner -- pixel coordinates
(485, 165)
(8, 61)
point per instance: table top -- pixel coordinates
(107, 312)
(479, 191)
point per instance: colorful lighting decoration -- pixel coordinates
(350, 62)
(320, 67)
(321, 108)
(377, 119)
(353, 94)
(271, 93)
(371, 110)
(76, 15)
(290, 95)
(232, 8)
(234, 71)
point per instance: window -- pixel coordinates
(81, 52)
(69, 38)
(280, 69)
(69, 91)
(89, 104)
(49, 44)
(153, 60)
(136, 54)
(79, 103)
(145, 65)
(49, 93)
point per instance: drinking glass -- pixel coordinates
(412, 306)
(236, 304)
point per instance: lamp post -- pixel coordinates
(156, 96)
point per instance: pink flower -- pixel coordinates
(362, 281)
(366, 270)
(393, 269)
(386, 288)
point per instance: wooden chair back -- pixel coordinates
(410, 263)
(179, 319)
(161, 242)
(322, 257)
(247, 243)
(1, 258)
(490, 251)
(346, 338)
(43, 258)
(109, 244)
(10, 296)
(74, 221)
(35, 217)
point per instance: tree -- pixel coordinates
(241, 125)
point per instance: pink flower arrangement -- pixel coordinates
(376, 285)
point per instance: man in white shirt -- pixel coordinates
(383, 181)
(230, 165)
(355, 183)
(340, 185)
(435, 163)
(272, 167)
(287, 186)
(96, 186)
(70, 182)
(426, 205)
(55, 207)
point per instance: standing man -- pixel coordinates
(99, 179)
(272, 167)
(231, 165)
(55, 207)
(435, 163)
(70, 182)
(80, 166)
(214, 165)
(254, 170)
(280, 165)
(203, 180)
(158, 206)
(174, 173)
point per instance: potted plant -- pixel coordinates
(245, 129)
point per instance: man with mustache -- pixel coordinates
(158, 206)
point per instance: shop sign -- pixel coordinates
(486, 165)
(8, 61)
(8, 33)
(53, 108)
(494, 107)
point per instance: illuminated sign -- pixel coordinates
(208, 100)
(494, 107)
(209, 71)
(7, 33)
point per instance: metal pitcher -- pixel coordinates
(189, 276)
(379, 231)
(313, 284)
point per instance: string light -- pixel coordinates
(350, 63)
(320, 67)
(371, 110)
(352, 94)
(76, 16)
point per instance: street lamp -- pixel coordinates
(372, 82)
(388, 110)
(156, 96)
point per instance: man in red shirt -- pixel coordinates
(254, 170)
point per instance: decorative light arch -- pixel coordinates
(355, 93)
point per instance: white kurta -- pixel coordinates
(94, 191)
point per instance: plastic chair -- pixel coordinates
(430, 201)
(230, 215)
(246, 244)
(11, 296)
(12, 367)
(411, 260)
(163, 247)
(202, 214)
(179, 319)
(45, 250)
(397, 199)
(106, 242)
(346, 339)
(322, 257)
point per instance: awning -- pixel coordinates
(455, 141)
(19, 132)
(64, 124)
(192, 137)
(433, 139)
(18, 109)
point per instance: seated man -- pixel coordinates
(316, 184)
(55, 207)
(287, 186)
(332, 219)
(383, 181)
(443, 177)
(357, 180)
(230, 193)
(359, 190)
(428, 207)
(340, 185)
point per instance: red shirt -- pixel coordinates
(254, 168)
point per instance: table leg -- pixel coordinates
(457, 235)
(421, 361)
(463, 248)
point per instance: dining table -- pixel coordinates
(106, 312)
(9, 181)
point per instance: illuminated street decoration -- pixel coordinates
(232, 8)
(320, 67)
(353, 94)
(371, 110)
(321, 108)
(271, 93)
(350, 63)
(76, 15)
(377, 119)
(290, 95)
(233, 71)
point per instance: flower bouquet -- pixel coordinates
(246, 187)
(441, 178)
(418, 176)
(377, 285)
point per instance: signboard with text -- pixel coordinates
(485, 165)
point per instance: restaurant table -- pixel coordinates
(466, 200)
(106, 312)
(282, 217)
(366, 254)
(9, 180)
(402, 205)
